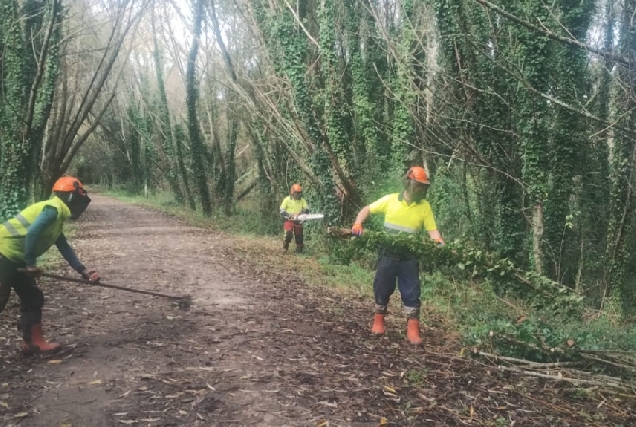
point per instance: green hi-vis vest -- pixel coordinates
(13, 232)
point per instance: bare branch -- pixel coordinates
(553, 36)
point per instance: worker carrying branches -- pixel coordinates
(26, 237)
(407, 212)
(292, 206)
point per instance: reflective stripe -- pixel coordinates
(399, 228)
(11, 229)
(22, 220)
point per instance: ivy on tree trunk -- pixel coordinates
(197, 149)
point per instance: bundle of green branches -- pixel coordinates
(538, 291)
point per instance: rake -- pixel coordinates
(184, 302)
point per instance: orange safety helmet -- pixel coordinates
(68, 184)
(71, 191)
(296, 188)
(416, 183)
(417, 174)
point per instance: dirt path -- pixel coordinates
(258, 348)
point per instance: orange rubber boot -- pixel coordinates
(413, 331)
(378, 324)
(38, 344)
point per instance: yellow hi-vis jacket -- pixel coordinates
(13, 232)
(293, 207)
(406, 217)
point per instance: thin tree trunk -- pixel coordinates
(192, 94)
(537, 237)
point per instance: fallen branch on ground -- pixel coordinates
(531, 368)
(526, 363)
(578, 382)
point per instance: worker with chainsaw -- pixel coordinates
(27, 236)
(293, 206)
(407, 212)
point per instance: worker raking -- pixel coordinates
(27, 236)
(407, 212)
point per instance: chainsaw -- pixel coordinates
(307, 217)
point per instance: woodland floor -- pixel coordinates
(259, 347)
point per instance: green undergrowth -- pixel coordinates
(495, 307)
(511, 327)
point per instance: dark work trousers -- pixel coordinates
(31, 297)
(293, 229)
(407, 273)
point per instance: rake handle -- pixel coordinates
(106, 285)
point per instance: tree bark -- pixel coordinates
(192, 94)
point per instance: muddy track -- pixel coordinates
(259, 347)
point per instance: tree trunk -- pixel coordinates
(537, 237)
(165, 128)
(622, 175)
(180, 137)
(192, 93)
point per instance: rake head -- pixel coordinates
(184, 303)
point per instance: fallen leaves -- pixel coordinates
(200, 368)
(391, 394)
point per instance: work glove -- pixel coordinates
(33, 271)
(356, 230)
(91, 275)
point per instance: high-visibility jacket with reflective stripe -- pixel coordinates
(401, 216)
(13, 232)
(292, 206)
